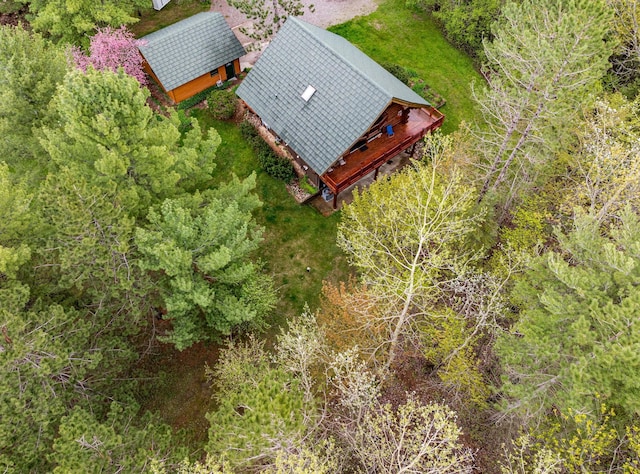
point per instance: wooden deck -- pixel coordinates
(381, 149)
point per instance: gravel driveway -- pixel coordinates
(327, 13)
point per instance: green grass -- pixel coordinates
(175, 11)
(296, 236)
(395, 34)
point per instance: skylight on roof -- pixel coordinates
(308, 92)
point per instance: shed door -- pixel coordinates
(230, 70)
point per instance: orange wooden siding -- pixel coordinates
(198, 84)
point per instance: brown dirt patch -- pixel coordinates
(14, 18)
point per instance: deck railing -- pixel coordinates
(338, 185)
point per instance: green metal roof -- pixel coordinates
(351, 91)
(190, 48)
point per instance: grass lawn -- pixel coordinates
(395, 34)
(296, 237)
(174, 11)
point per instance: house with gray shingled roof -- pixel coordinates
(192, 55)
(341, 114)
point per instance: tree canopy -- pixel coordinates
(575, 342)
(541, 72)
(73, 22)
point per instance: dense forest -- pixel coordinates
(490, 321)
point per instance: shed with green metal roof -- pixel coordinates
(341, 114)
(192, 55)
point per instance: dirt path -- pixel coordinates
(325, 14)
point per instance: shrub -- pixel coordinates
(271, 162)
(401, 73)
(307, 186)
(275, 165)
(222, 104)
(247, 130)
(186, 123)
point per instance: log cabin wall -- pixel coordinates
(199, 84)
(203, 82)
(393, 115)
(312, 176)
(148, 70)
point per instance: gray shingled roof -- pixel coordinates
(352, 91)
(190, 48)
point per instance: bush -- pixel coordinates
(222, 104)
(271, 162)
(307, 186)
(275, 165)
(247, 130)
(186, 123)
(401, 73)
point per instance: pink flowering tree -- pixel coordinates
(110, 49)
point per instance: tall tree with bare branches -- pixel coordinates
(406, 235)
(542, 69)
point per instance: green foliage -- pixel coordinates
(419, 86)
(574, 443)
(75, 22)
(260, 407)
(405, 235)
(543, 67)
(201, 244)
(10, 6)
(416, 436)
(52, 359)
(30, 71)
(222, 104)
(401, 73)
(466, 24)
(15, 216)
(121, 443)
(529, 227)
(45, 352)
(88, 250)
(605, 167)
(576, 334)
(248, 131)
(625, 61)
(307, 186)
(73, 299)
(268, 15)
(209, 466)
(275, 165)
(306, 460)
(296, 237)
(450, 345)
(524, 457)
(186, 123)
(108, 134)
